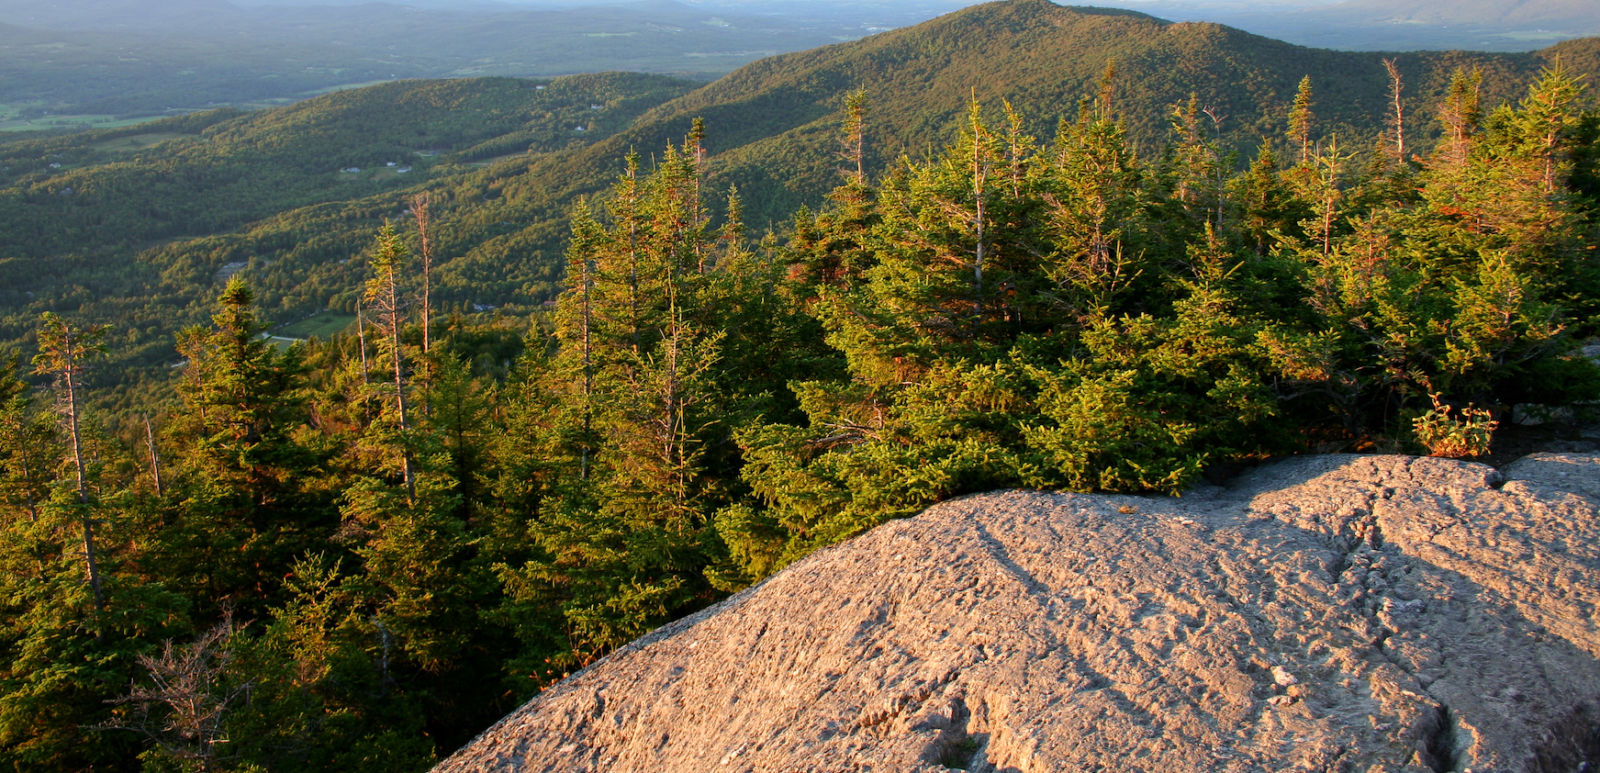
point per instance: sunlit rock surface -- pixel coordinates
(1334, 613)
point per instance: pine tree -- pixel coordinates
(1544, 123)
(1100, 224)
(951, 248)
(853, 139)
(629, 406)
(1194, 166)
(1269, 210)
(422, 211)
(828, 250)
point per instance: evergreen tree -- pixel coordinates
(1459, 114)
(830, 248)
(1103, 237)
(27, 437)
(76, 614)
(1300, 118)
(62, 355)
(621, 520)
(239, 492)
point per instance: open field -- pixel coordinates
(322, 325)
(343, 87)
(487, 162)
(135, 142)
(22, 117)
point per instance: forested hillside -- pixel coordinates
(187, 199)
(1044, 58)
(133, 225)
(353, 552)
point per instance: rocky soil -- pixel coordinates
(1335, 613)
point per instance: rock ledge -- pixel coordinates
(1343, 613)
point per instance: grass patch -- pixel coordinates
(11, 122)
(322, 325)
(281, 343)
(135, 142)
(496, 159)
(381, 173)
(342, 87)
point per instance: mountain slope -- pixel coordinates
(89, 205)
(1044, 58)
(772, 130)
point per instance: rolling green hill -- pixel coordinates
(1044, 58)
(140, 222)
(132, 225)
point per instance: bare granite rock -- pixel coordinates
(1341, 613)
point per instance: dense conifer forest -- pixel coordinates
(357, 551)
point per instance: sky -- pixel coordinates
(901, 5)
(1368, 24)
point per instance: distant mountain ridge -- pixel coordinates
(113, 57)
(1044, 58)
(1478, 12)
(1376, 25)
(106, 14)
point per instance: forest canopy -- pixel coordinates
(354, 554)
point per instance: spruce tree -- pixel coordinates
(77, 613)
(239, 489)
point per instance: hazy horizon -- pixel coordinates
(1344, 24)
(114, 60)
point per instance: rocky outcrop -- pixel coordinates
(1346, 613)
